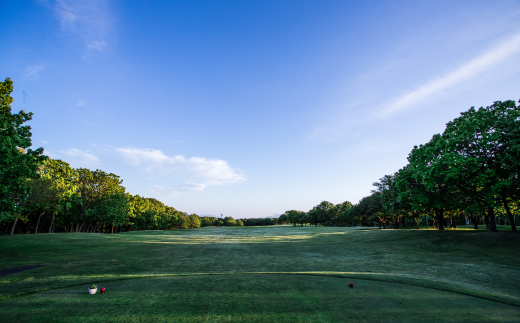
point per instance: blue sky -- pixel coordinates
(252, 108)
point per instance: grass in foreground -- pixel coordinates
(457, 275)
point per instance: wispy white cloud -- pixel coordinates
(376, 146)
(177, 190)
(158, 189)
(79, 158)
(201, 171)
(464, 73)
(65, 14)
(33, 72)
(194, 186)
(97, 45)
(81, 103)
(90, 20)
(45, 141)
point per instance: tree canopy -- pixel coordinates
(17, 161)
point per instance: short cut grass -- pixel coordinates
(263, 274)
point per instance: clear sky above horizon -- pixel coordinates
(252, 108)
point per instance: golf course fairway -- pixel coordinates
(263, 274)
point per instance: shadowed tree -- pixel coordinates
(293, 216)
(481, 151)
(325, 211)
(428, 168)
(194, 221)
(50, 192)
(94, 187)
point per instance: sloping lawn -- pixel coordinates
(263, 274)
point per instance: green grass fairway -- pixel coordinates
(263, 274)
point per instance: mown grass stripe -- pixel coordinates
(502, 299)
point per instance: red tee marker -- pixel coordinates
(350, 284)
(103, 290)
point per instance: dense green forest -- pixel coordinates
(469, 174)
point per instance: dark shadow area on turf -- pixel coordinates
(17, 270)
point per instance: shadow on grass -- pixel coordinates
(17, 270)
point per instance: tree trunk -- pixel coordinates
(509, 214)
(27, 230)
(440, 215)
(38, 223)
(81, 227)
(52, 222)
(474, 218)
(14, 224)
(492, 220)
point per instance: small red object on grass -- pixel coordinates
(350, 284)
(102, 289)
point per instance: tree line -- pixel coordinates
(325, 213)
(59, 198)
(467, 174)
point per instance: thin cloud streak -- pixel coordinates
(98, 45)
(32, 72)
(75, 157)
(176, 191)
(89, 20)
(81, 158)
(65, 15)
(158, 189)
(469, 70)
